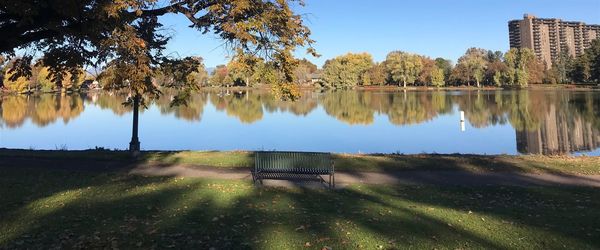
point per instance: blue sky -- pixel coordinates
(434, 28)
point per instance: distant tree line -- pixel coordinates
(171, 74)
(477, 67)
(248, 71)
(41, 78)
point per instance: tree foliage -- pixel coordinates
(437, 77)
(376, 75)
(592, 58)
(175, 73)
(474, 64)
(220, 76)
(126, 35)
(403, 67)
(445, 65)
(346, 71)
(519, 63)
(304, 71)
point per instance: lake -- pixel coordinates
(496, 122)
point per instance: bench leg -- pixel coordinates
(256, 178)
(333, 181)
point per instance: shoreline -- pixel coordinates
(571, 87)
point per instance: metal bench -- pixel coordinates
(285, 165)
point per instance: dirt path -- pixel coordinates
(456, 178)
(413, 177)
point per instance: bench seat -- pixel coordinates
(274, 165)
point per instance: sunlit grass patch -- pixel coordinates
(204, 158)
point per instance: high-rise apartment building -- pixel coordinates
(548, 37)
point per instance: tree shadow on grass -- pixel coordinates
(460, 162)
(63, 209)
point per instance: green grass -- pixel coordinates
(227, 159)
(67, 209)
(346, 162)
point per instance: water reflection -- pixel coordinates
(42, 109)
(545, 122)
(190, 112)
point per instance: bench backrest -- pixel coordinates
(297, 162)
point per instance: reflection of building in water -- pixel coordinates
(559, 134)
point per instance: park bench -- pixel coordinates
(293, 165)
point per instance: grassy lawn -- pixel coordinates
(345, 162)
(68, 209)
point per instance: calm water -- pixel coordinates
(496, 122)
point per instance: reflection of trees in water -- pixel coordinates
(417, 107)
(192, 111)
(113, 101)
(14, 110)
(245, 106)
(402, 108)
(526, 110)
(587, 105)
(249, 106)
(301, 107)
(482, 108)
(349, 106)
(523, 109)
(70, 108)
(45, 110)
(548, 122)
(545, 121)
(42, 110)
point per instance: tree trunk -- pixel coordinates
(134, 145)
(478, 83)
(404, 82)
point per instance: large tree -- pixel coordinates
(446, 66)
(427, 71)
(126, 35)
(375, 75)
(519, 63)
(403, 67)
(346, 71)
(474, 61)
(592, 56)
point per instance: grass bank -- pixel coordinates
(43, 208)
(346, 162)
